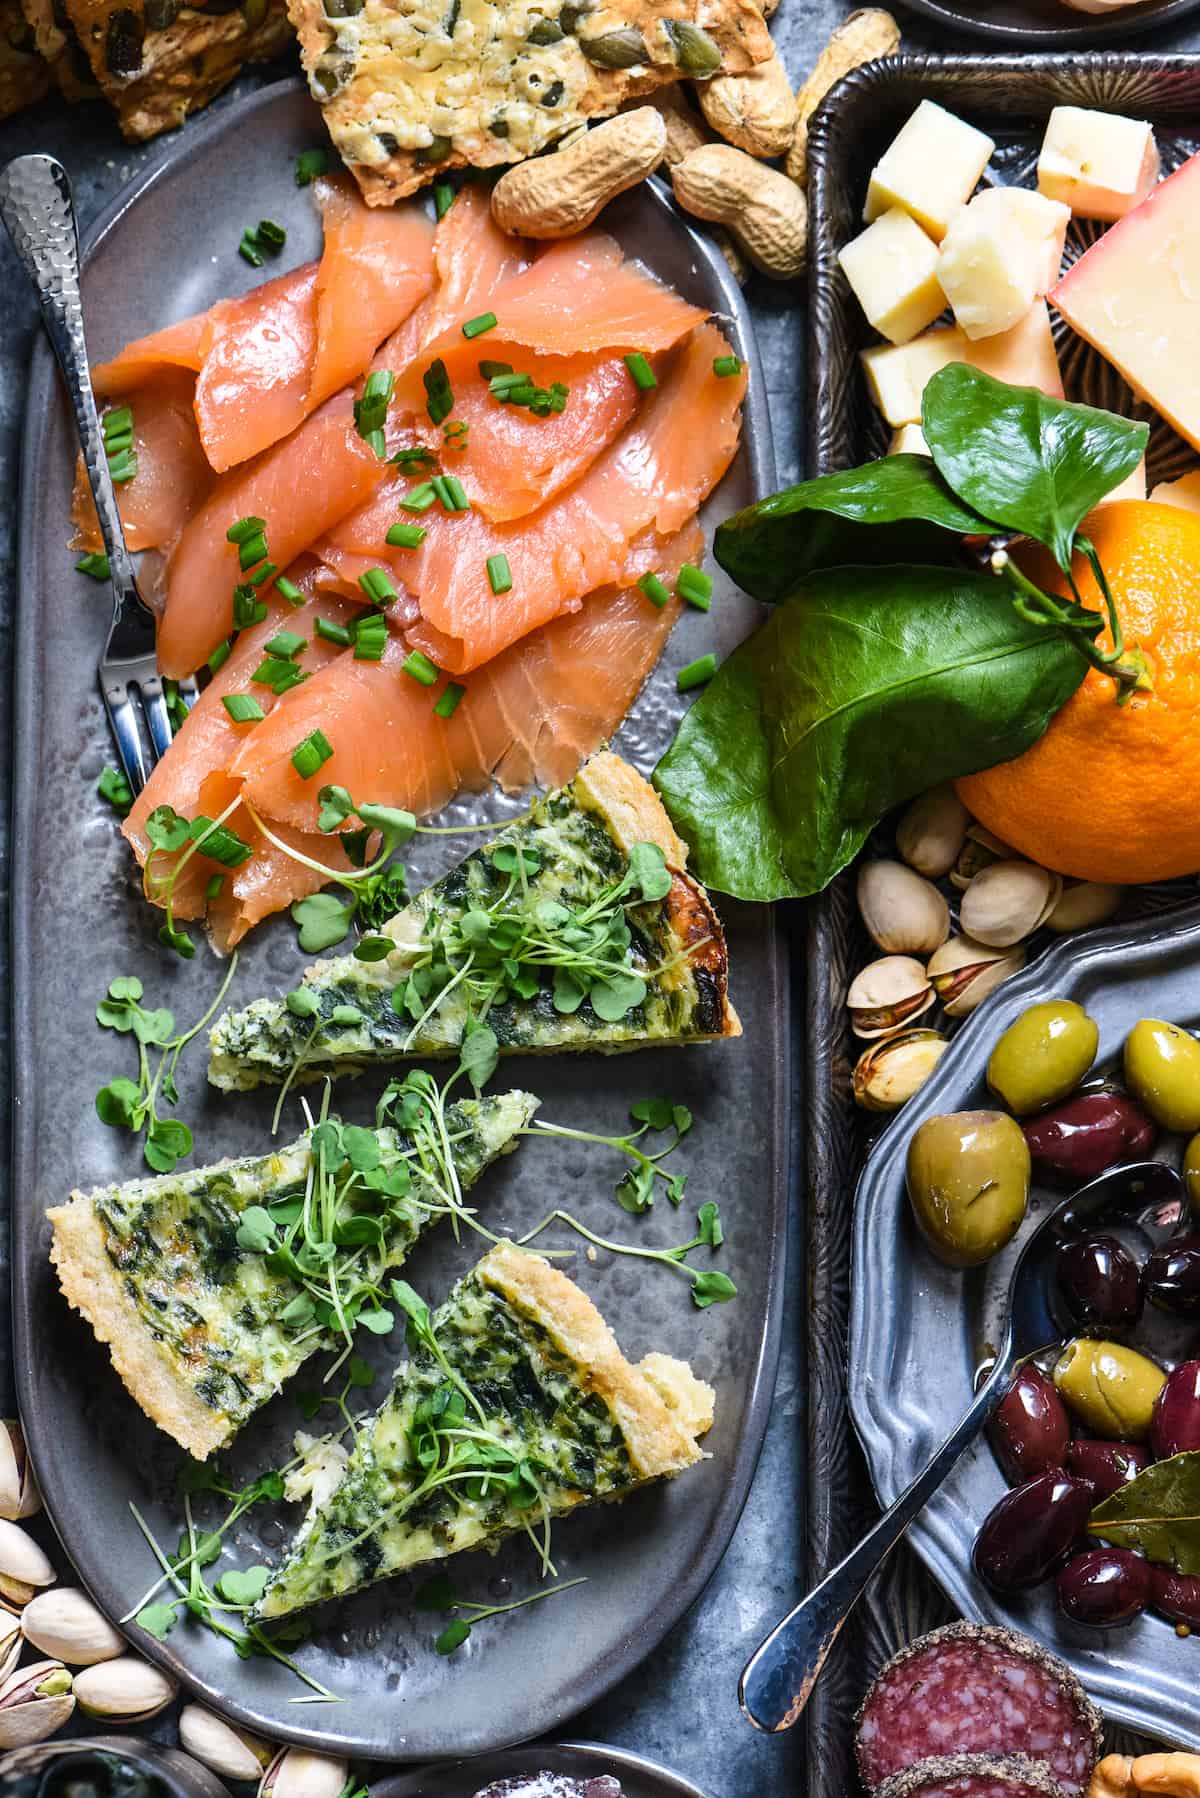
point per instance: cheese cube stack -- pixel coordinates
(1024, 357)
(1132, 487)
(1185, 492)
(892, 268)
(909, 440)
(929, 170)
(1001, 253)
(1097, 163)
(1135, 297)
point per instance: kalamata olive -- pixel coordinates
(1103, 1586)
(1098, 1279)
(1027, 1534)
(968, 1183)
(1176, 1424)
(1162, 1071)
(1031, 1431)
(1043, 1055)
(1087, 1135)
(1172, 1277)
(1191, 1173)
(1109, 1387)
(1175, 1595)
(1108, 1465)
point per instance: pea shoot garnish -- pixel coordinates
(437, 1594)
(132, 1105)
(181, 838)
(709, 1286)
(372, 890)
(636, 1189)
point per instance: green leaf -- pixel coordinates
(360, 1372)
(613, 998)
(360, 1147)
(168, 1139)
(179, 940)
(323, 920)
(125, 986)
(336, 806)
(453, 1636)
(635, 1192)
(1158, 1513)
(658, 1113)
(842, 519)
(373, 948)
(166, 829)
(379, 1320)
(203, 1552)
(152, 1026)
(256, 1230)
(569, 991)
(157, 1620)
(437, 1594)
(1031, 463)
(878, 683)
(411, 1303)
(648, 871)
(302, 1002)
(397, 826)
(507, 855)
(708, 1220)
(245, 1587)
(118, 1104)
(480, 1055)
(712, 1289)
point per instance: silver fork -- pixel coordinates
(39, 213)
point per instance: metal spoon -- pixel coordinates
(780, 1675)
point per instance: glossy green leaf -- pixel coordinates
(1158, 1513)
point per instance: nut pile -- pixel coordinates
(1122, 1776)
(926, 960)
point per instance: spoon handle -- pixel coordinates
(779, 1677)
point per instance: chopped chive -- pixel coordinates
(113, 786)
(727, 365)
(458, 493)
(654, 590)
(505, 379)
(475, 327)
(643, 375)
(310, 164)
(123, 466)
(370, 412)
(247, 608)
(117, 423)
(279, 674)
(116, 441)
(220, 655)
(312, 754)
(443, 197)
(499, 574)
(245, 529)
(251, 550)
(696, 673)
(213, 888)
(414, 455)
(379, 385)
(405, 536)
(421, 668)
(489, 370)
(370, 638)
(376, 583)
(376, 440)
(94, 564)
(288, 590)
(248, 250)
(262, 574)
(332, 633)
(272, 234)
(694, 586)
(447, 703)
(442, 492)
(218, 843)
(243, 708)
(419, 499)
(287, 644)
(457, 427)
(439, 399)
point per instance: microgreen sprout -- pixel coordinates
(709, 1287)
(437, 1594)
(179, 838)
(132, 1105)
(636, 1189)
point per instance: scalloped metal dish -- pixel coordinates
(1009, 97)
(167, 249)
(639, 1778)
(1050, 24)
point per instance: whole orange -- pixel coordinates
(1110, 792)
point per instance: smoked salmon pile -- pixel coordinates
(402, 498)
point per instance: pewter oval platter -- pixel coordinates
(1024, 25)
(639, 1778)
(167, 249)
(919, 1330)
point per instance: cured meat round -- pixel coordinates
(972, 1689)
(973, 1776)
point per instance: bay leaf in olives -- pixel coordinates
(1159, 1513)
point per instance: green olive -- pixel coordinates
(1043, 1055)
(968, 1184)
(1109, 1387)
(1162, 1071)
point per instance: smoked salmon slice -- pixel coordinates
(376, 267)
(173, 476)
(175, 346)
(253, 385)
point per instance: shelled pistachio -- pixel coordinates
(886, 995)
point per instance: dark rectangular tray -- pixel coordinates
(1009, 97)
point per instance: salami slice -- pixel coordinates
(973, 1776)
(971, 1689)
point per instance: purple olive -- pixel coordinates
(1172, 1277)
(1080, 1139)
(1108, 1465)
(1103, 1586)
(1175, 1595)
(1031, 1430)
(1028, 1533)
(1099, 1281)
(1176, 1422)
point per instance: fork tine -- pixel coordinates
(124, 716)
(157, 715)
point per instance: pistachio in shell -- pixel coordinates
(903, 913)
(297, 1773)
(1007, 901)
(886, 995)
(65, 1623)
(890, 1071)
(35, 1702)
(931, 834)
(233, 1753)
(1082, 904)
(24, 1566)
(19, 1495)
(963, 972)
(978, 852)
(128, 1689)
(11, 1640)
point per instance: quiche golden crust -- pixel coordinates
(158, 64)
(412, 87)
(91, 1284)
(55, 41)
(661, 1440)
(24, 76)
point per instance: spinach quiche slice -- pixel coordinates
(516, 1407)
(202, 1284)
(542, 934)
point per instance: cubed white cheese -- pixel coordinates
(1097, 163)
(909, 440)
(1024, 357)
(1184, 492)
(1001, 253)
(891, 267)
(930, 169)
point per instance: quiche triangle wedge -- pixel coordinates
(576, 927)
(213, 1286)
(515, 1407)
